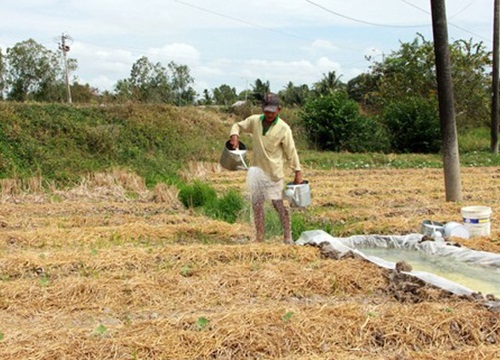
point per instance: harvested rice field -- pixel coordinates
(113, 270)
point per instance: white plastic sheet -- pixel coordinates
(408, 242)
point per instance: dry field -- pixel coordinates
(112, 270)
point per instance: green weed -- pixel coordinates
(44, 280)
(287, 317)
(202, 323)
(101, 330)
(61, 143)
(186, 271)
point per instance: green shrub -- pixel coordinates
(413, 125)
(334, 123)
(368, 135)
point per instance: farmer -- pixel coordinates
(272, 144)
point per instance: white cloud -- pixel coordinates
(326, 64)
(177, 52)
(323, 45)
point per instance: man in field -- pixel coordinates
(273, 143)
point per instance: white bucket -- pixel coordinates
(477, 220)
(298, 194)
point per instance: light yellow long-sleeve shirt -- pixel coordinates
(272, 149)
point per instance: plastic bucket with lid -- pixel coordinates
(477, 220)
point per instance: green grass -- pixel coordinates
(198, 195)
(474, 140)
(331, 160)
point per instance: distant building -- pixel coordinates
(239, 103)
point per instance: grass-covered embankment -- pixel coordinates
(60, 143)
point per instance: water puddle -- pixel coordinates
(477, 278)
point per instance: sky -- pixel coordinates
(234, 42)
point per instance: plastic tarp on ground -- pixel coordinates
(356, 244)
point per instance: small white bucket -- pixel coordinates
(298, 194)
(477, 220)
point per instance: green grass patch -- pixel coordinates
(349, 161)
(227, 207)
(198, 195)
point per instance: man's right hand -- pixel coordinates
(235, 142)
(298, 177)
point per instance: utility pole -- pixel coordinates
(494, 82)
(65, 48)
(451, 159)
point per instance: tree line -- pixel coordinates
(29, 71)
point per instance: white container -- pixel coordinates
(298, 194)
(477, 220)
(233, 159)
(454, 229)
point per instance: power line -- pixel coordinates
(397, 26)
(464, 8)
(239, 20)
(362, 21)
(255, 25)
(456, 26)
